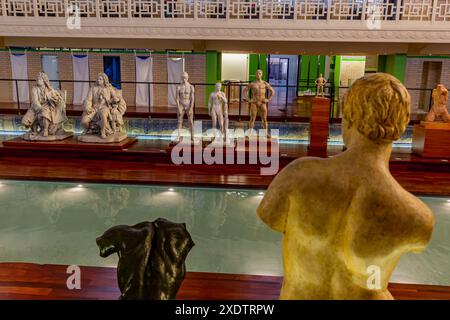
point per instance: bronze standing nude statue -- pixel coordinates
(258, 101)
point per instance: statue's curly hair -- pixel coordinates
(378, 106)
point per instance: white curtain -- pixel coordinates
(175, 68)
(20, 71)
(80, 65)
(144, 98)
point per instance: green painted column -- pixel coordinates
(381, 63)
(337, 71)
(337, 81)
(255, 62)
(310, 67)
(304, 72)
(322, 61)
(396, 65)
(213, 71)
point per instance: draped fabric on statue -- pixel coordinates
(80, 64)
(175, 68)
(144, 98)
(20, 71)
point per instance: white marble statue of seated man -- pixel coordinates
(48, 109)
(346, 216)
(104, 108)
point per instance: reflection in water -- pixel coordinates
(58, 222)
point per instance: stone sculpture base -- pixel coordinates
(432, 139)
(94, 138)
(37, 137)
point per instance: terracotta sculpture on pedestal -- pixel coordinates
(218, 110)
(47, 113)
(185, 104)
(439, 110)
(151, 258)
(103, 112)
(320, 83)
(346, 219)
(258, 101)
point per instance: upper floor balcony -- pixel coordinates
(419, 21)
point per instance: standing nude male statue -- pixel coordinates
(258, 102)
(439, 109)
(345, 215)
(185, 104)
(218, 109)
(320, 83)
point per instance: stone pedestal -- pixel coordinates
(432, 139)
(319, 125)
(30, 136)
(95, 138)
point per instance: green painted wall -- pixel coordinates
(394, 64)
(213, 71)
(310, 67)
(336, 80)
(255, 62)
(337, 70)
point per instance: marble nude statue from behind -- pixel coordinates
(345, 218)
(103, 112)
(47, 113)
(151, 258)
(439, 110)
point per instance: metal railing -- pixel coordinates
(269, 10)
(290, 103)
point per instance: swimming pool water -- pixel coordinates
(43, 222)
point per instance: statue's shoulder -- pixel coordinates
(302, 170)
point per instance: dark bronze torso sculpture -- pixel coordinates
(151, 258)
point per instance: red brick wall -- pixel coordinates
(5, 73)
(195, 65)
(414, 76)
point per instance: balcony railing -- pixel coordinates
(384, 10)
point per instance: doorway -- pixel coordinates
(283, 76)
(50, 67)
(111, 67)
(431, 76)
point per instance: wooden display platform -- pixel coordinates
(29, 281)
(69, 144)
(319, 125)
(432, 139)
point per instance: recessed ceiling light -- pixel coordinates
(171, 189)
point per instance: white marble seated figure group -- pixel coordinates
(102, 117)
(47, 112)
(103, 112)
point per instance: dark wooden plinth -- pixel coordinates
(432, 140)
(319, 125)
(70, 144)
